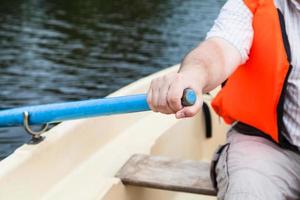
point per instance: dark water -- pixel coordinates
(63, 50)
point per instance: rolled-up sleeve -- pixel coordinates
(234, 24)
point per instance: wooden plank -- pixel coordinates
(168, 174)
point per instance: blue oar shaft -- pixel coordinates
(58, 112)
(74, 110)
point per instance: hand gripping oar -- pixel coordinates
(49, 113)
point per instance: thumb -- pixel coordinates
(190, 111)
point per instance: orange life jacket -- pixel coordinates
(254, 93)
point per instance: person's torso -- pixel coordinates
(290, 9)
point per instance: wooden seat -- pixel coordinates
(167, 174)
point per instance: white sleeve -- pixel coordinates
(234, 24)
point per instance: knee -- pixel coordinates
(249, 184)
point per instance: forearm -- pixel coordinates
(211, 63)
(202, 69)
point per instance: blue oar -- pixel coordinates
(49, 113)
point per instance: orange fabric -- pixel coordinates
(252, 5)
(251, 94)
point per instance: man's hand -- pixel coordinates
(165, 94)
(203, 69)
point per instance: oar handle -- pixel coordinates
(189, 97)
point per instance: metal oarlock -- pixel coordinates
(36, 135)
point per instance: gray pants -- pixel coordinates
(253, 167)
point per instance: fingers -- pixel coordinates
(149, 99)
(165, 95)
(157, 95)
(175, 94)
(163, 104)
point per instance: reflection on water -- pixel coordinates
(54, 51)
